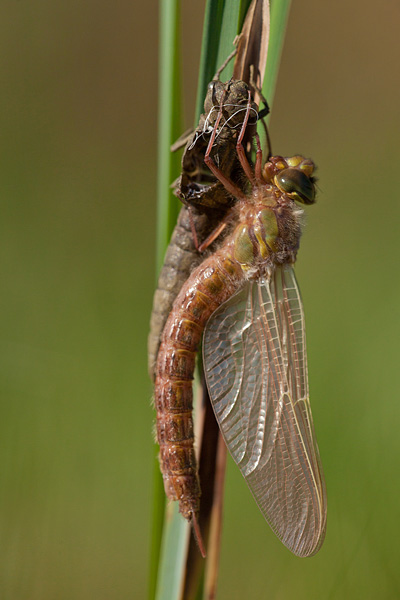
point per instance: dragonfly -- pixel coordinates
(204, 197)
(244, 303)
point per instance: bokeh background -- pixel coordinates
(78, 126)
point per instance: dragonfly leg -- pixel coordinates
(217, 231)
(239, 147)
(268, 139)
(225, 63)
(264, 112)
(193, 227)
(258, 165)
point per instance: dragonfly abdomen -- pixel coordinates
(215, 280)
(180, 259)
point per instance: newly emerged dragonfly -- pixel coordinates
(246, 299)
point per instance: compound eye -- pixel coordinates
(297, 185)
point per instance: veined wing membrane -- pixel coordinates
(256, 369)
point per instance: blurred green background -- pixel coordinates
(77, 190)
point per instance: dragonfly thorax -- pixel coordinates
(268, 233)
(269, 226)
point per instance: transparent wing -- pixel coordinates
(254, 352)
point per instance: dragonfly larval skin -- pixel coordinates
(196, 185)
(203, 193)
(246, 297)
(180, 260)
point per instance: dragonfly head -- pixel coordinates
(293, 176)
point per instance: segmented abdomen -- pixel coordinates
(180, 260)
(213, 282)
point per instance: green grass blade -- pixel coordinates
(279, 16)
(158, 499)
(169, 122)
(170, 127)
(223, 20)
(175, 541)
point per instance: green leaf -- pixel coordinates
(223, 20)
(279, 10)
(170, 127)
(173, 551)
(169, 121)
